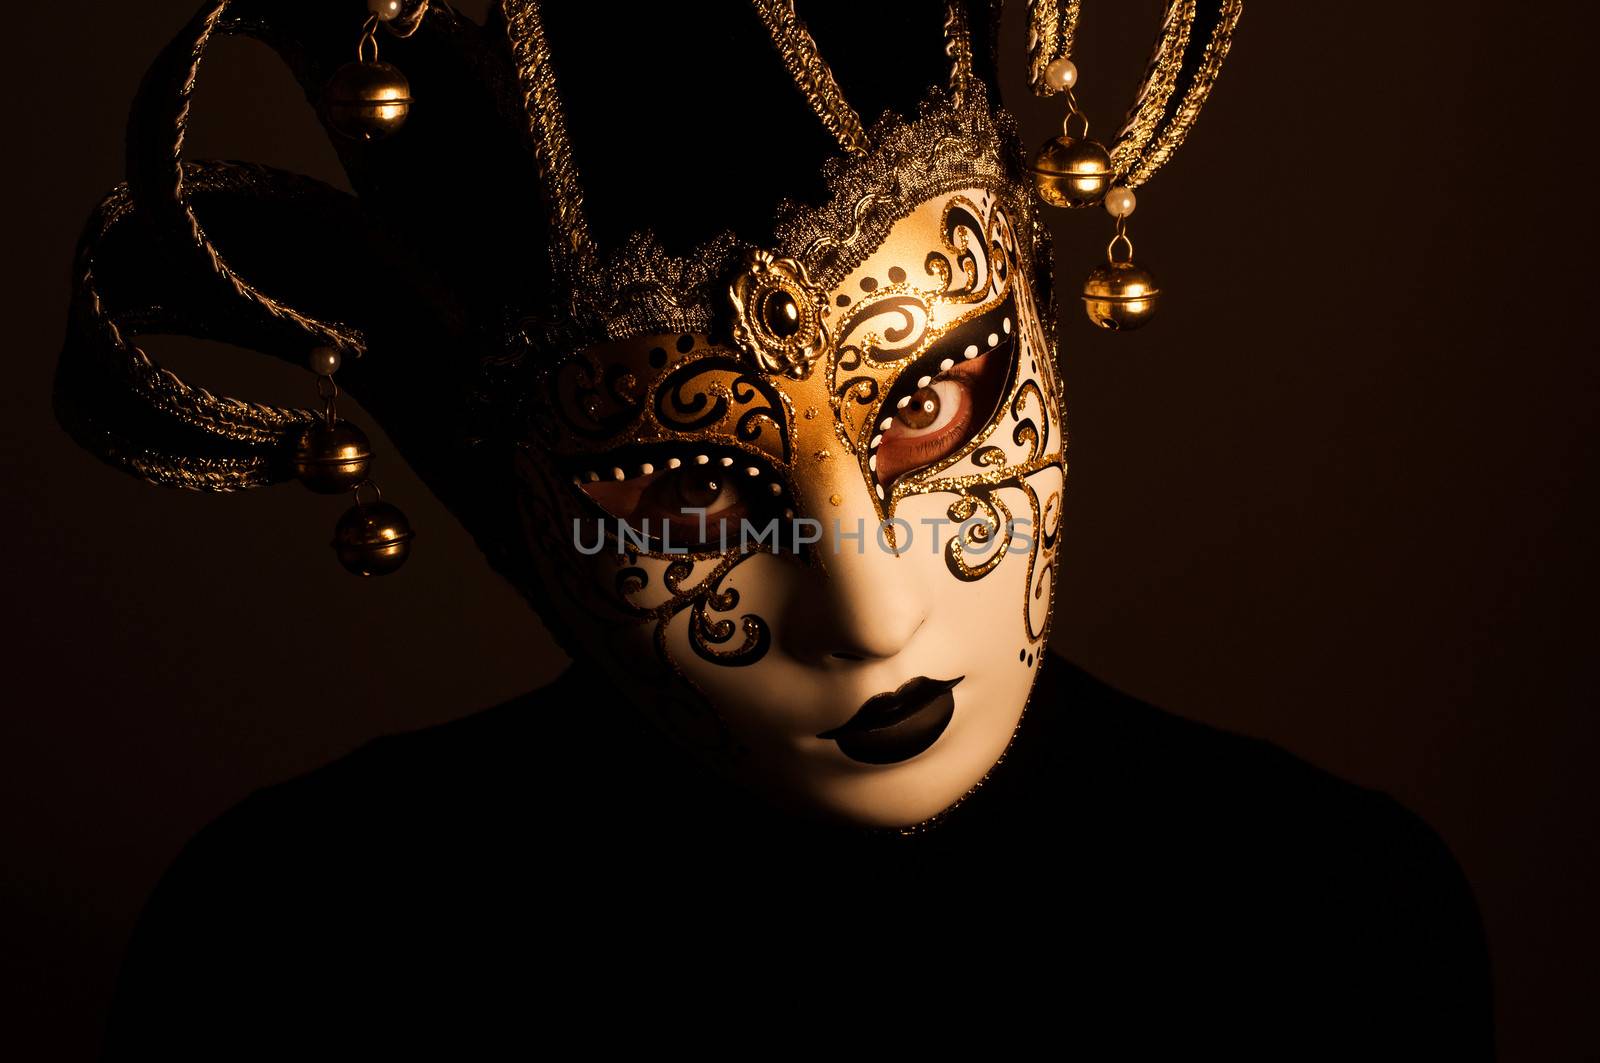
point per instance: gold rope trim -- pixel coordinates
(811, 74)
(552, 149)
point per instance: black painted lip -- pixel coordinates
(890, 728)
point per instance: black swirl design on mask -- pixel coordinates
(685, 401)
(977, 274)
(708, 637)
(1027, 433)
(594, 403)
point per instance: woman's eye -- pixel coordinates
(940, 418)
(687, 504)
(712, 491)
(930, 410)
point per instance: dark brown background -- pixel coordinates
(1340, 495)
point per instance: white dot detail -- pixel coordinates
(618, 474)
(970, 352)
(923, 382)
(701, 459)
(903, 403)
(646, 469)
(1006, 325)
(875, 441)
(994, 341)
(946, 364)
(727, 463)
(673, 463)
(751, 470)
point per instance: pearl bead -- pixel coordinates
(1061, 74)
(385, 9)
(324, 361)
(1120, 202)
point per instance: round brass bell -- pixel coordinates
(1120, 296)
(367, 101)
(330, 458)
(372, 539)
(1071, 172)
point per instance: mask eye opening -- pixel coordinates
(673, 498)
(981, 355)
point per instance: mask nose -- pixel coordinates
(866, 604)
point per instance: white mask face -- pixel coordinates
(838, 580)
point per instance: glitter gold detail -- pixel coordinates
(811, 74)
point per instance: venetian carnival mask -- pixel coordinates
(798, 497)
(835, 528)
(812, 488)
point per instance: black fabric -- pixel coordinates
(692, 125)
(1123, 872)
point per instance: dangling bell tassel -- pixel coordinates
(332, 456)
(1070, 170)
(368, 100)
(372, 538)
(1120, 295)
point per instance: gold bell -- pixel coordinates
(372, 539)
(1120, 296)
(1071, 172)
(332, 457)
(367, 100)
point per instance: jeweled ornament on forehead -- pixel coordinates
(778, 315)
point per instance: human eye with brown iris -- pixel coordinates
(692, 500)
(944, 400)
(942, 417)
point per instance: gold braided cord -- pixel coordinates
(1182, 117)
(100, 354)
(1156, 124)
(811, 74)
(156, 171)
(1052, 24)
(552, 149)
(164, 392)
(563, 191)
(958, 47)
(1155, 89)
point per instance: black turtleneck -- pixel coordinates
(1120, 860)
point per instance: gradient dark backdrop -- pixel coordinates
(1340, 495)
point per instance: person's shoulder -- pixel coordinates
(1305, 871)
(1236, 812)
(1195, 771)
(440, 787)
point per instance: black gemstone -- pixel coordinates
(685, 344)
(896, 275)
(781, 314)
(658, 357)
